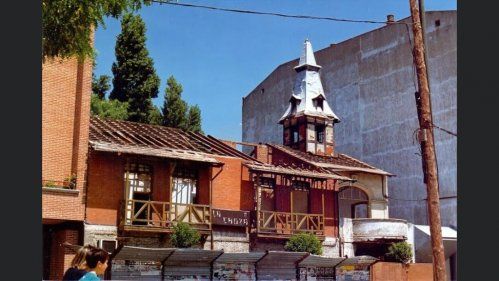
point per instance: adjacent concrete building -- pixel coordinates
(369, 81)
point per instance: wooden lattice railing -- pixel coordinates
(165, 214)
(270, 222)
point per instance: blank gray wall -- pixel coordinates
(369, 82)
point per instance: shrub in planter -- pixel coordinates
(399, 252)
(304, 242)
(184, 236)
(49, 184)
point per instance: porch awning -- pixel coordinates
(319, 261)
(279, 265)
(157, 152)
(358, 260)
(251, 257)
(295, 171)
(143, 254)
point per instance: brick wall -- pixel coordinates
(232, 188)
(66, 89)
(227, 185)
(61, 257)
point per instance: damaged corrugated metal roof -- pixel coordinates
(295, 171)
(337, 163)
(146, 139)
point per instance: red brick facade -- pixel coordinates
(61, 256)
(105, 187)
(66, 88)
(66, 91)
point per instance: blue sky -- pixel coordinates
(219, 57)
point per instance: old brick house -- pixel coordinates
(359, 205)
(143, 179)
(66, 87)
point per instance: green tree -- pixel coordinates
(399, 252)
(174, 108)
(135, 80)
(67, 24)
(304, 242)
(184, 236)
(194, 119)
(100, 85)
(112, 109)
(155, 117)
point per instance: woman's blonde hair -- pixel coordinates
(79, 259)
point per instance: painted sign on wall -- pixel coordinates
(230, 218)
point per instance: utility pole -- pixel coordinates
(427, 146)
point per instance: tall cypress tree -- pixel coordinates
(194, 119)
(135, 80)
(100, 85)
(174, 108)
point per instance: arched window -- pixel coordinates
(353, 203)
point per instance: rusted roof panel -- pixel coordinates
(340, 162)
(295, 171)
(141, 138)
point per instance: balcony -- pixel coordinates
(157, 216)
(365, 230)
(282, 225)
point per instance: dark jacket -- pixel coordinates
(73, 274)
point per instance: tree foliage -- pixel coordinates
(174, 108)
(304, 242)
(112, 109)
(184, 236)
(155, 117)
(100, 85)
(67, 24)
(135, 80)
(194, 119)
(400, 252)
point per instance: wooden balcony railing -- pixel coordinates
(157, 214)
(282, 223)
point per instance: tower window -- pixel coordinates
(319, 102)
(319, 130)
(294, 131)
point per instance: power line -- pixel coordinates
(273, 14)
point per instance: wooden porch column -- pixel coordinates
(212, 246)
(258, 201)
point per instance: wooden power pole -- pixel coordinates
(427, 146)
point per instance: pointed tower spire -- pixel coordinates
(307, 58)
(308, 94)
(308, 120)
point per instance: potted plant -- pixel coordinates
(70, 182)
